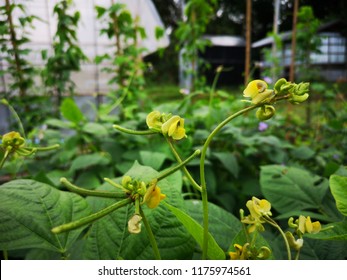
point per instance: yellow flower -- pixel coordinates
(306, 225)
(153, 196)
(258, 92)
(241, 252)
(12, 139)
(174, 127)
(134, 224)
(259, 207)
(154, 121)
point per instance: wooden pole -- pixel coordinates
(292, 62)
(248, 40)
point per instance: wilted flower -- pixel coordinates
(134, 224)
(258, 92)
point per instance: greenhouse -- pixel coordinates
(173, 130)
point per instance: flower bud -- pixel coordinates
(296, 99)
(264, 253)
(281, 82)
(265, 112)
(296, 244)
(302, 89)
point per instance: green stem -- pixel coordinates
(177, 167)
(274, 224)
(91, 218)
(135, 132)
(202, 174)
(73, 188)
(5, 253)
(14, 113)
(185, 170)
(7, 152)
(150, 236)
(49, 148)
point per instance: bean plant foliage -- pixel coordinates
(158, 200)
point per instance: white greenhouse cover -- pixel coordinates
(90, 79)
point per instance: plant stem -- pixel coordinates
(202, 174)
(274, 224)
(177, 167)
(150, 236)
(4, 158)
(134, 132)
(49, 148)
(73, 188)
(185, 170)
(91, 218)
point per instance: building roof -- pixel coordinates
(226, 41)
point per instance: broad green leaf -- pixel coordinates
(59, 123)
(313, 215)
(214, 252)
(84, 161)
(290, 188)
(338, 231)
(338, 187)
(109, 238)
(302, 152)
(95, 129)
(28, 212)
(70, 111)
(229, 161)
(152, 159)
(222, 225)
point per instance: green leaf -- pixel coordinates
(229, 161)
(290, 188)
(303, 152)
(109, 238)
(28, 212)
(95, 129)
(70, 111)
(152, 159)
(85, 161)
(220, 222)
(59, 123)
(338, 231)
(338, 187)
(214, 252)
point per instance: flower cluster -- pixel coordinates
(142, 193)
(247, 252)
(301, 225)
(258, 209)
(168, 125)
(259, 93)
(297, 93)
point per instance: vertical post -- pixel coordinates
(248, 40)
(292, 62)
(274, 46)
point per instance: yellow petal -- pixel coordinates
(316, 227)
(153, 196)
(153, 120)
(254, 87)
